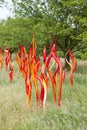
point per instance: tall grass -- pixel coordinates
(16, 115)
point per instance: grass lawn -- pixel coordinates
(16, 115)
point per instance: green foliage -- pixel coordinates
(14, 32)
(64, 20)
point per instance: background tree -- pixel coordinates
(48, 19)
(14, 32)
(66, 20)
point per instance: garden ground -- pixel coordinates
(16, 115)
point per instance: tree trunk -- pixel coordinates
(66, 66)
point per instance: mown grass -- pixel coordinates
(16, 115)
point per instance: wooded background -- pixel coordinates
(64, 20)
